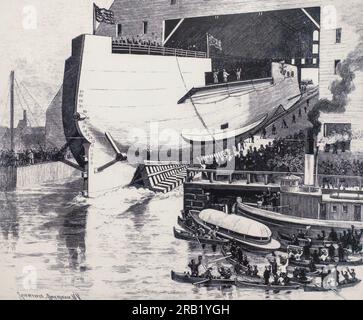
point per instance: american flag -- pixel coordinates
(214, 42)
(104, 15)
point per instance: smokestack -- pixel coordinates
(25, 119)
(309, 158)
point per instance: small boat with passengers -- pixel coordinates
(251, 235)
(322, 264)
(288, 240)
(187, 278)
(188, 236)
(260, 285)
(342, 285)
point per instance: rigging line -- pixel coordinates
(195, 108)
(32, 114)
(27, 106)
(191, 99)
(29, 93)
(21, 104)
(36, 102)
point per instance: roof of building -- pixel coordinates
(235, 223)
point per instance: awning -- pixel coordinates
(235, 223)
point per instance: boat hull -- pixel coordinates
(279, 223)
(310, 288)
(202, 240)
(135, 99)
(184, 278)
(261, 286)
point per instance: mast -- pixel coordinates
(94, 19)
(12, 79)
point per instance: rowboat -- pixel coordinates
(232, 260)
(252, 236)
(186, 278)
(305, 263)
(184, 235)
(287, 240)
(309, 274)
(258, 285)
(182, 223)
(311, 288)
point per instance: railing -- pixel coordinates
(154, 50)
(340, 182)
(211, 175)
(326, 182)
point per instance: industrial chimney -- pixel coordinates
(25, 118)
(310, 145)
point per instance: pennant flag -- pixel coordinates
(104, 15)
(214, 42)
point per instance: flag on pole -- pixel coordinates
(214, 42)
(330, 281)
(103, 15)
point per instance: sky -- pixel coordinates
(35, 41)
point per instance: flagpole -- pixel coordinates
(94, 19)
(207, 45)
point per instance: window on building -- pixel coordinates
(334, 209)
(145, 26)
(292, 61)
(315, 61)
(172, 2)
(336, 66)
(338, 35)
(119, 30)
(345, 208)
(224, 126)
(315, 48)
(303, 61)
(316, 35)
(357, 213)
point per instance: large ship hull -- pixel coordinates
(135, 99)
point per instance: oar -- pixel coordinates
(202, 255)
(201, 282)
(220, 259)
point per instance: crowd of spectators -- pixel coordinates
(341, 167)
(28, 157)
(287, 155)
(282, 154)
(137, 41)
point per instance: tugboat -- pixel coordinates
(310, 208)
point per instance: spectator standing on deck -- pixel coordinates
(273, 129)
(263, 133)
(284, 124)
(293, 118)
(30, 157)
(215, 76)
(225, 75)
(238, 74)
